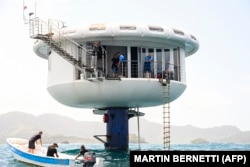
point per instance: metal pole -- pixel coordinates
(138, 127)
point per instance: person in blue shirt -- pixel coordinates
(121, 62)
(147, 65)
(121, 58)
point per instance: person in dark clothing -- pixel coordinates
(97, 49)
(96, 54)
(83, 150)
(114, 66)
(33, 140)
(52, 152)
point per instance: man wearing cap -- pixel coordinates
(52, 152)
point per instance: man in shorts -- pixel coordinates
(33, 140)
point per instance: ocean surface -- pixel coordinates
(119, 158)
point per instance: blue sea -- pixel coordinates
(120, 158)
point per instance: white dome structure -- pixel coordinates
(81, 76)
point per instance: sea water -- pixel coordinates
(119, 158)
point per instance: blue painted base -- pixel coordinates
(117, 129)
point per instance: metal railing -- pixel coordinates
(82, 56)
(53, 30)
(137, 71)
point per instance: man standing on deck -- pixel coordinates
(122, 63)
(147, 65)
(33, 140)
(97, 53)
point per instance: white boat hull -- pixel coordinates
(19, 149)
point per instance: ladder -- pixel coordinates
(68, 49)
(166, 113)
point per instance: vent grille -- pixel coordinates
(155, 28)
(97, 27)
(193, 37)
(179, 32)
(127, 27)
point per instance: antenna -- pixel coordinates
(28, 12)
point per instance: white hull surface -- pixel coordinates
(19, 149)
(79, 79)
(129, 92)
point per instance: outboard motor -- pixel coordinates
(89, 159)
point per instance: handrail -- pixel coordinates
(40, 27)
(52, 31)
(80, 57)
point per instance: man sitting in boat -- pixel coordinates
(52, 152)
(32, 141)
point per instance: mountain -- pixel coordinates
(181, 134)
(58, 128)
(152, 132)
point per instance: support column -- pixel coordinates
(117, 129)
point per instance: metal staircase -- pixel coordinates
(50, 33)
(166, 113)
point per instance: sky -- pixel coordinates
(218, 74)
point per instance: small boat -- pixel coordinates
(19, 149)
